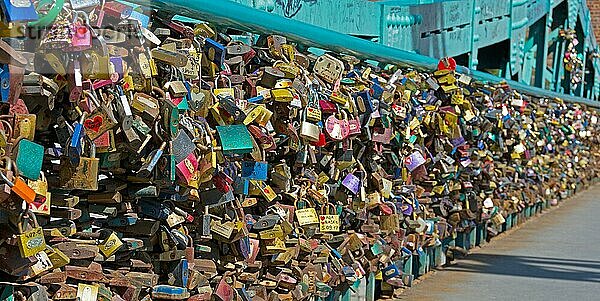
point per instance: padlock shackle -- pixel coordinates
(161, 92)
(91, 146)
(392, 206)
(30, 217)
(9, 165)
(77, 13)
(325, 208)
(9, 127)
(217, 81)
(83, 116)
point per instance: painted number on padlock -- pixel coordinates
(329, 223)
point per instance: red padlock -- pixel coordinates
(321, 142)
(447, 63)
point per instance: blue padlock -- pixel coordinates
(75, 143)
(181, 273)
(19, 10)
(255, 170)
(363, 99)
(377, 90)
(245, 247)
(168, 292)
(4, 82)
(154, 210)
(214, 51)
(390, 271)
(241, 186)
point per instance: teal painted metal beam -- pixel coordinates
(249, 19)
(410, 2)
(245, 18)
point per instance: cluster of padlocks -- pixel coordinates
(573, 61)
(147, 159)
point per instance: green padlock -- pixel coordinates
(235, 139)
(30, 156)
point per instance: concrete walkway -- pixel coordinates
(553, 257)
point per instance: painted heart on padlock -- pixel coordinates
(336, 128)
(93, 124)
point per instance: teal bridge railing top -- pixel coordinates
(518, 41)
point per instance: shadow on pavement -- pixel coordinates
(531, 267)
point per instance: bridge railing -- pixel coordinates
(239, 16)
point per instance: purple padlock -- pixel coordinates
(459, 141)
(117, 62)
(352, 182)
(406, 208)
(414, 160)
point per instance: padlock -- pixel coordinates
(81, 38)
(110, 245)
(329, 68)
(16, 185)
(306, 216)
(215, 52)
(10, 82)
(151, 160)
(329, 221)
(101, 120)
(187, 169)
(390, 221)
(174, 58)
(42, 202)
(85, 174)
(235, 139)
(337, 129)
(313, 108)
(31, 241)
(29, 158)
(270, 76)
(57, 257)
(19, 11)
(309, 131)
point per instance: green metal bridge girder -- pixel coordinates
(476, 32)
(242, 17)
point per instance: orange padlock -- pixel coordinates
(23, 190)
(19, 187)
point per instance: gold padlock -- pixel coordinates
(32, 241)
(110, 245)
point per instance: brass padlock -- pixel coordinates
(31, 241)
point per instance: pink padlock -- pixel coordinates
(81, 36)
(187, 169)
(337, 129)
(354, 126)
(382, 135)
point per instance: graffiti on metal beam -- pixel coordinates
(292, 7)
